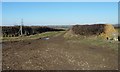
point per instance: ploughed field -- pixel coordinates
(59, 53)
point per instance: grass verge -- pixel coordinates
(94, 41)
(36, 36)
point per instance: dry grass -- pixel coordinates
(109, 31)
(102, 30)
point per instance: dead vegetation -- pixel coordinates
(12, 31)
(102, 30)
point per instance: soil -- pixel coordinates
(56, 53)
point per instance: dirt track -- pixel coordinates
(56, 53)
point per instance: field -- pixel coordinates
(36, 36)
(53, 51)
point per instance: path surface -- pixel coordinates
(56, 53)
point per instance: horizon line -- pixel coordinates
(61, 24)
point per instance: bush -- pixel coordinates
(27, 30)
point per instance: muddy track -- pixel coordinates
(56, 53)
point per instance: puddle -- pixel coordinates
(46, 38)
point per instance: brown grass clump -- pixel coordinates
(108, 31)
(102, 30)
